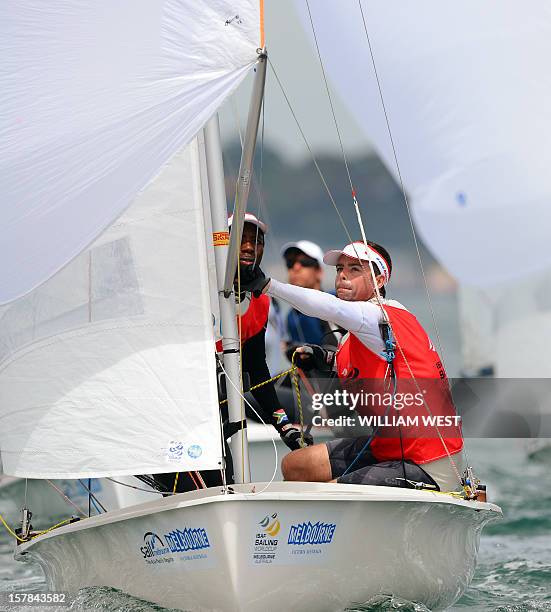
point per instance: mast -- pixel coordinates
(245, 171)
(230, 338)
(226, 253)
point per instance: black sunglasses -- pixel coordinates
(303, 260)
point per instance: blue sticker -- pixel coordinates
(194, 451)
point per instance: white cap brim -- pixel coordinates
(305, 246)
(331, 258)
(359, 251)
(250, 218)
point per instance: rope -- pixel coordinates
(35, 535)
(67, 499)
(266, 382)
(124, 484)
(299, 402)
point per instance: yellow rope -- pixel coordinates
(299, 403)
(10, 530)
(35, 535)
(267, 381)
(175, 482)
(39, 533)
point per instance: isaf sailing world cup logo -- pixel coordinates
(265, 540)
(271, 524)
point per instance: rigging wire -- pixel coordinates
(125, 484)
(273, 439)
(402, 186)
(66, 498)
(345, 227)
(327, 89)
(308, 146)
(92, 497)
(406, 199)
(375, 285)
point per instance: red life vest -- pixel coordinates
(420, 442)
(252, 320)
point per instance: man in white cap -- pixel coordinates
(304, 261)
(386, 345)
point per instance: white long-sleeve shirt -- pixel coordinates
(360, 318)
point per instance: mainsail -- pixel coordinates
(107, 348)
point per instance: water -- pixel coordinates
(514, 569)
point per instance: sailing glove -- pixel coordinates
(312, 356)
(251, 278)
(290, 434)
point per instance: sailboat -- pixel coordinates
(116, 268)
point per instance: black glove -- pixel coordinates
(251, 278)
(290, 434)
(313, 356)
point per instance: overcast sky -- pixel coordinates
(294, 57)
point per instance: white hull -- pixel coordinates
(361, 541)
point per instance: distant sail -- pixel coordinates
(466, 87)
(96, 96)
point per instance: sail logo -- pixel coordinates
(194, 451)
(186, 540)
(153, 546)
(311, 533)
(175, 451)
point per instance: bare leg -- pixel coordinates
(310, 464)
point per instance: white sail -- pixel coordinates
(108, 367)
(107, 348)
(466, 89)
(96, 97)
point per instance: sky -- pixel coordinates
(292, 52)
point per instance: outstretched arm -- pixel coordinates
(359, 317)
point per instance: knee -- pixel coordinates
(307, 464)
(290, 466)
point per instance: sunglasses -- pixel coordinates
(304, 261)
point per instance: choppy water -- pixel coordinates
(514, 569)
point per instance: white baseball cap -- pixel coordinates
(250, 218)
(308, 248)
(359, 250)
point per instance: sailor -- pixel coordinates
(304, 261)
(385, 343)
(253, 314)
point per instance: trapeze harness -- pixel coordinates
(416, 361)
